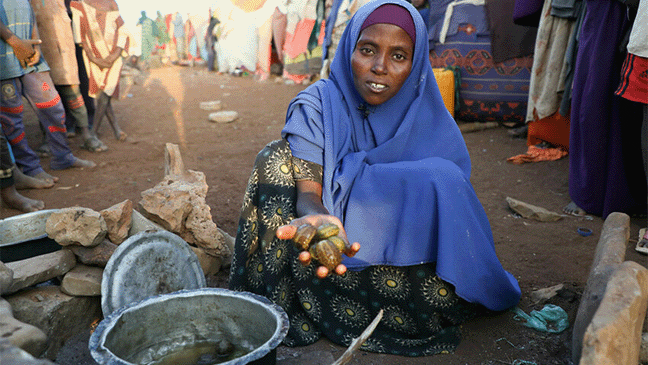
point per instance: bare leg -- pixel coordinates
(43, 150)
(119, 134)
(100, 111)
(23, 181)
(12, 199)
(644, 152)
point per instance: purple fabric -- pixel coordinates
(392, 14)
(508, 40)
(605, 173)
(527, 12)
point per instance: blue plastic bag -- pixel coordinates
(551, 319)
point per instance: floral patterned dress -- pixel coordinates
(422, 313)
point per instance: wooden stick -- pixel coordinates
(357, 342)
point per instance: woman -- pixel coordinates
(374, 150)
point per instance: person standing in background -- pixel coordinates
(179, 36)
(634, 82)
(25, 73)
(100, 29)
(210, 41)
(55, 28)
(149, 35)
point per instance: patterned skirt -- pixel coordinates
(422, 313)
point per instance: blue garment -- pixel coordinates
(39, 90)
(399, 176)
(461, 14)
(17, 15)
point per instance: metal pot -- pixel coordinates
(147, 331)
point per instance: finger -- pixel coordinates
(286, 232)
(33, 41)
(355, 247)
(304, 257)
(340, 269)
(33, 60)
(322, 272)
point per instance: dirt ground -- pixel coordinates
(164, 107)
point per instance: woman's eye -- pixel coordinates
(399, 57)
(366, 50)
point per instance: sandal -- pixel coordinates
(93, 144)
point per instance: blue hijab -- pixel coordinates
(398, 174)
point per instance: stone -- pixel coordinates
(22, 335)
(210, 105)
(6, 278)
(609, 254)
(82, 280)
(118, 220)
(76, 226)
(210, 265)
(201, 230)
(167, 206)
(59, 315)
(614, 333)
(178, 205)
(530, 211)
(39, 269)
(173, 164)
(10, 354)
(94, 256)
(223, 116)
(229, 242)
(544, 294)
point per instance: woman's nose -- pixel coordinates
(379, 64)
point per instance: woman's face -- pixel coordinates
(381, 62)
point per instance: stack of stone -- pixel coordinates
(38, 318)
(48, 298)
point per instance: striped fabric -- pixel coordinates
(107, 30)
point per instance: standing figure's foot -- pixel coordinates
(574, 209)
(12, 199)
(23, 181)
(121, 135)
(45, 176)
(93, 144)
(79, 163)
(43, 151)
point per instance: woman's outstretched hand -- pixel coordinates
(288, 231)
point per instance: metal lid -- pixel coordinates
(148, 264)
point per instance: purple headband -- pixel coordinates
(392, 14)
